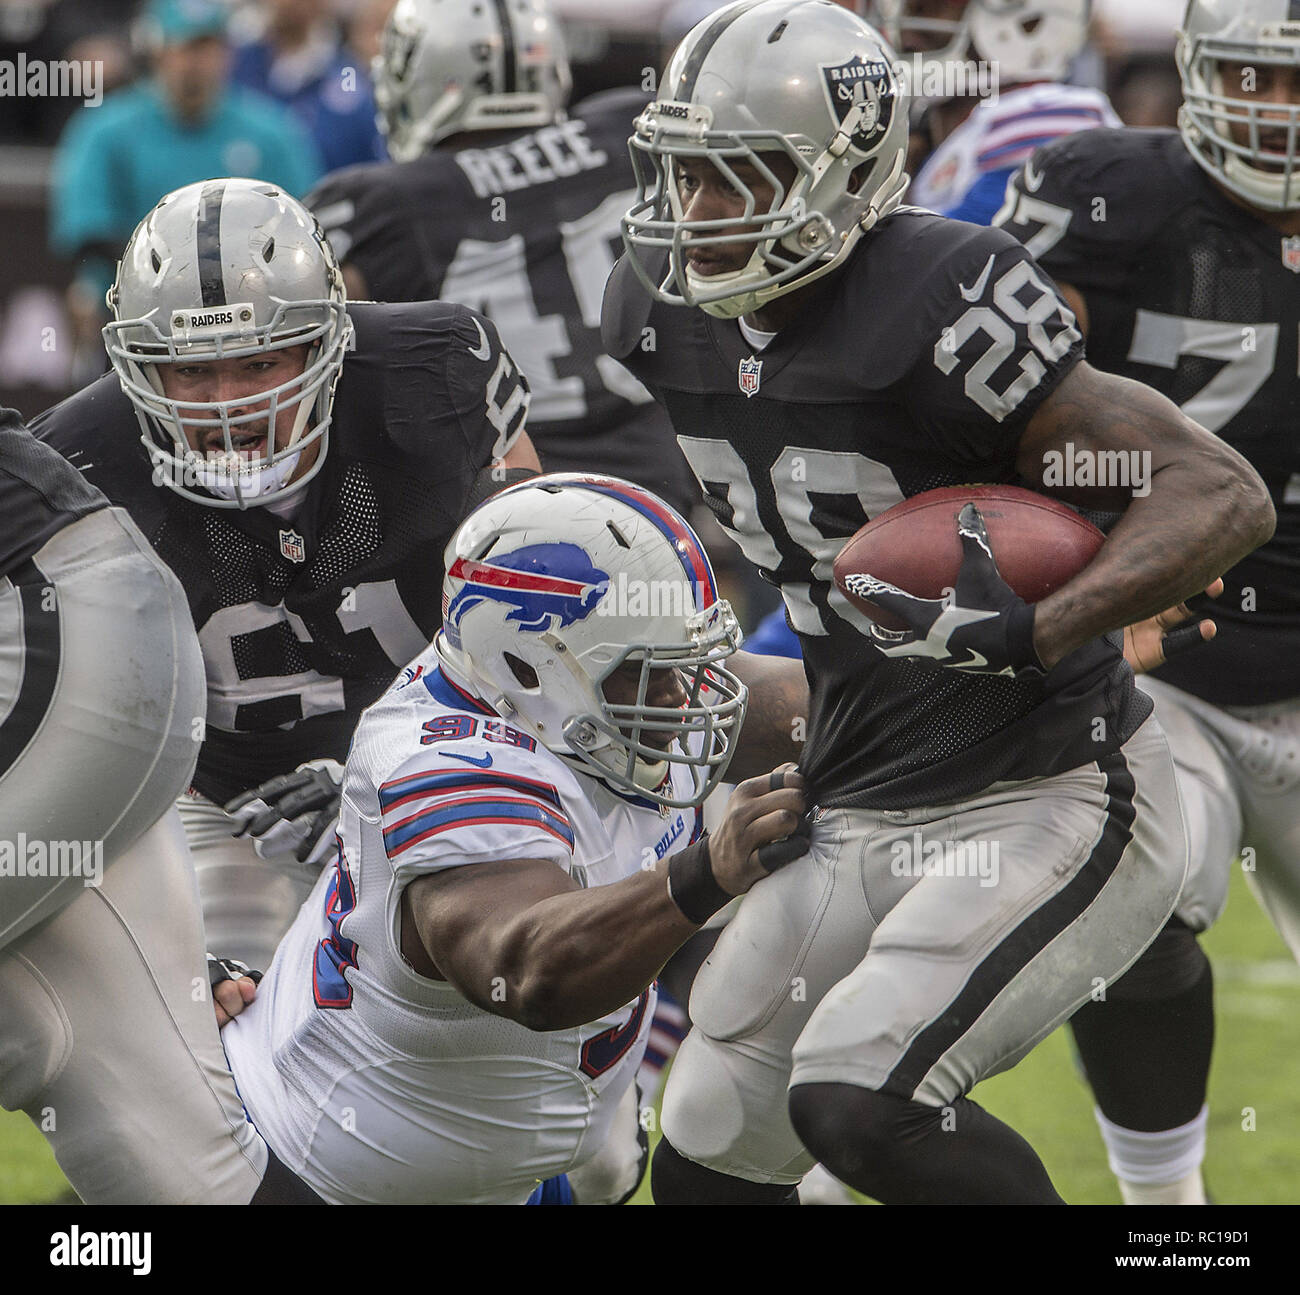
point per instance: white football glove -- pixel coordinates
(294, 814)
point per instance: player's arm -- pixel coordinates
(355, 211)
(1205, 506)
(521, 939)
(776, 719)
(355, 282)
(522, 455)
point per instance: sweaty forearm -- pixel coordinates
(776, 721)
(1205, 510)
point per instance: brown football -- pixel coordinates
(1039, 544)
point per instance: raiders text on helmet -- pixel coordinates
(223, 270)
(800, 78)
(447, 66)
(553, 585)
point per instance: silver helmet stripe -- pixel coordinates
(212, 283)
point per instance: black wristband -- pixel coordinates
(1020, 639)
(691, 884)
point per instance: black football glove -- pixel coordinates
(220, 969)
(293, 814)
(985, 627)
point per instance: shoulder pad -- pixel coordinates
(625, 311)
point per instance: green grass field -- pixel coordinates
(1256, 1069)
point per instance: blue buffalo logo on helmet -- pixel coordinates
(548, 586)
(861, 96)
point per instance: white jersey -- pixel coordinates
(965, 177)
(376, 1085)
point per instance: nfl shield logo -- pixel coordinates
(750, 371)
(1291, 253)
(292, 546)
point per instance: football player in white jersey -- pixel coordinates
(981, 130)
(458, 1010)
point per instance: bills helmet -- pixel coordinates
(805, 80)
(553, 585)
(447, 66)
(224, 270)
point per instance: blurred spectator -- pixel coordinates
(183, 124)
(1150, 27)
(365, 25)
(1147, 92)
(611, 44)
(1138, 42)
(298, 58)
(51, 30)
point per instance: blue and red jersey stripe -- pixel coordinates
(433, 782)
(473, 811)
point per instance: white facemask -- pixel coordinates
(231, 476)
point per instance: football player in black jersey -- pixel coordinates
(850, 352)
(1179, 252)
(300, 464)
(102, 1040)
(498, 200)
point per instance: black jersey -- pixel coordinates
(915, 366)
(40, 493)
(526, 231)
(1200, 299)
(304, 619)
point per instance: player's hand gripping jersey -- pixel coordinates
(375, 1084)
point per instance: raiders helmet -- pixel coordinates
(803, 79)
(447, 66)
(223, 270)
(554, 584)
(1255, 34)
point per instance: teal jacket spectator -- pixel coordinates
(186, 123)
(115, 162)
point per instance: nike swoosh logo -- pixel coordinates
(976, 290)
(1033, 179)
(484, 350)
(481, 762)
